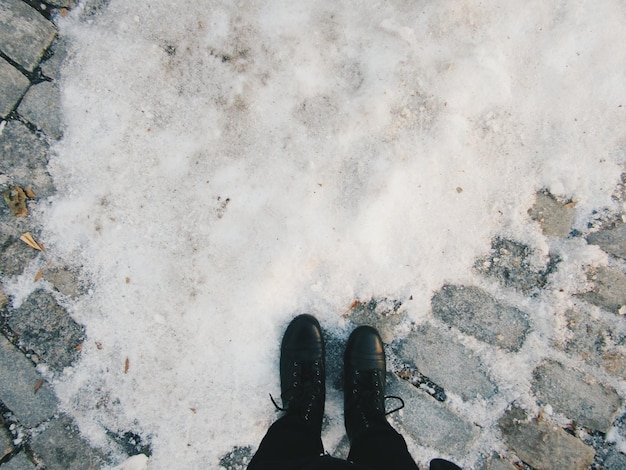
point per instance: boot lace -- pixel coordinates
(305, 388)
(367, 394)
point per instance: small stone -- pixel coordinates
(41, 107)
(61, 447)
(609, 289)
(19, 462)
(576, 395)
(542, 444)
(18, 393)
(431, 423)
(24, 33)
(13, 85)
(476, 313)
(46, 328)
(554, 217)
(446, 362)
(237, 459)
(611, 239)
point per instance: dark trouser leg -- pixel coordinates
(288, 444)
(440, 464)
(381, 448)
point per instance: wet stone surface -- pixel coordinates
(611, 239)
(554, 217)
(13, 85)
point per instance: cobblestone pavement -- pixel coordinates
(578, 388)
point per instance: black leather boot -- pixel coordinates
(364, 382)
(303, 371)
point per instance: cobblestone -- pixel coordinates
(554, 217)
(5, 443)
(26, 394)
(542, 444)
(46, 328)
(13, 85)
(611, 239)
(576, 395)
(476, 313)
(19, 462)
(40, 106)
(495, 462)
(595, 341)
(609, 289)
(61, 448)
(509, 262)
(24, 158)
(447, 362)
(24, 33)
(445, 429)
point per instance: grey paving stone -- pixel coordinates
(576, 395)
(24, 159)
(41, 106)
(476, 313)
(609, 289)
(19, 393)
(14, 257)
(542, 444)
(5, 443)
(19, 462)
(61, 447)
(509, 263)
(24, 33)
(554, 217)
(495, 462)
(611, 239)
(64, 280)
(51, 68)
(446, 362)
(431, 423)
(13, 85)
(60, 3)
(591, 340)
(46, 328)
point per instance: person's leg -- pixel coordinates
(441, 464)
(288, 444)
(296, 437)
(373, 441)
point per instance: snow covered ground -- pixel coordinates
(228, 165)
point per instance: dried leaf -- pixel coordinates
(30, 241)
(571, 204)
(79, 347)
(193, 410)
(39, 275)
(30, 194)
(126, 366)
(38, 385)
(127, 280)
(99, 345)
